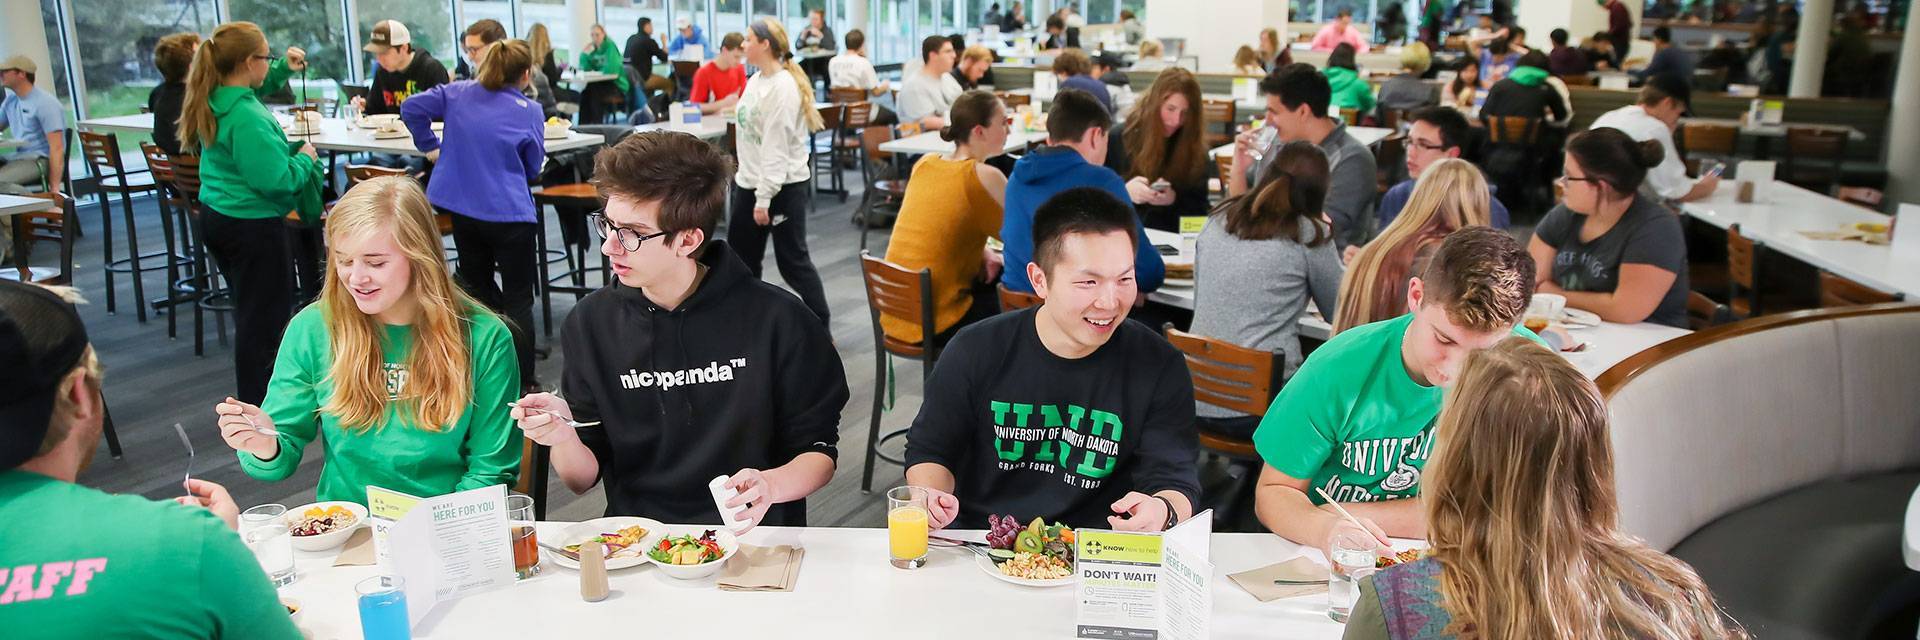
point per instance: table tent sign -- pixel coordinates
(447, 547)
(1145, 586)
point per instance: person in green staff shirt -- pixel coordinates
(406, 375)
(1356, 420)
(77, 562)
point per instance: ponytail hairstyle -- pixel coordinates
(1288, 201)
(504, 64)
(1614, 159)
(770, 31)
(974, 108)
(226, 51)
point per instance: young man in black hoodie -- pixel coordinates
(402, 71)
(692, 367)
(1064, 411)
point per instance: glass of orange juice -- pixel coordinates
(907, 527)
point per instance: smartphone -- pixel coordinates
(1715, 172)
(1161, 185)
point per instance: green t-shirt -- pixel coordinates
(76, 562)
(1352, 420)
(481, 448)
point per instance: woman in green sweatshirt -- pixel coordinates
(406, 376)
(603, 56)
(251, 177)
(1350, 91)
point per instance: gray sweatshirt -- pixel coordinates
(1251, 292)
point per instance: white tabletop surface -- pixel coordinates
(930, 143)
(336, 135)
(1607, 344)
(846, 589)
(711, 127)
(10, 205)
(578, 76)
(1786, 210)
(1366, 135)
(1774, 130)
(1910, 534)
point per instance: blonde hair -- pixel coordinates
(1245, 58)
(1451, 194)
(1534, 550)
(1151, 48)
(505, 63)
(539, 43)
(1271, 35)
(977, 53)
(776, 37)
(439, 381)
(226, 51)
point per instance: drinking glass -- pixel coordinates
(1354, 553)
(907, 527)
(526, 545)
(1263, 138)
(383, 608)
(265, 530)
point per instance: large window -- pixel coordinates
(887, 33)
(729, 16)
(1138, 7)
(430, 23)
(498, 10)
(317, 27)
(622, 19)
(795, 18)
(695, 10)
(926, 19)
(117, 38)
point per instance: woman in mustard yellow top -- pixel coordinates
(952, 206)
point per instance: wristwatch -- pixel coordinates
(1172, 516)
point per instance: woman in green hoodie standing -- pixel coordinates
(251, 177)
(1350, 91)
(603, 56)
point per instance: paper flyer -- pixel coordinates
(1245, 89)
(1907, 244)
(1145, 586)
(446, 547)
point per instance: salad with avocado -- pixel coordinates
(687, 550)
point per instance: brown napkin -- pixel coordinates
(774, 568)
(358, 550)
(1260, 582)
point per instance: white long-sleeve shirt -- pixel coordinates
(852, 70)
(1670, 178)
(772, 136)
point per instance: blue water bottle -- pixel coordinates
(383, 608)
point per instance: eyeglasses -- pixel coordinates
(629, 238)
(269, 57)
(1422, 144)
(1564, 179)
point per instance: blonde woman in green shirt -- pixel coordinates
(407, 376)
(603, 56)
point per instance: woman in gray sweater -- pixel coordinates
(1258, 260)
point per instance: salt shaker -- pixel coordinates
(593, 571)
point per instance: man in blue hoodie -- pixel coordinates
(1076, 146)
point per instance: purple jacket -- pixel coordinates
(492, 151)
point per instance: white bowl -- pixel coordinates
(374, 121)
(557, 131)
(728, 544)
(329, 539)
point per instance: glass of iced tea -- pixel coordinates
(526, 545)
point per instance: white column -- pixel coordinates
(1540, 17)
(1810, 48)
(581, 16)
(857, 17)
(22, 33)
(1903, 156)
(1215, 28)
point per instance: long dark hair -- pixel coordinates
(1615, 159)
(1180, 158)
(1291, 194)
(974, 108)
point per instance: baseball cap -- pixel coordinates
(1674, 86)
(19, 63)
(682, 22)
(388, 34)
(41, 341)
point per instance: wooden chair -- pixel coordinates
(1703, 312)
(1391, 118)
(1014, 100)
(884, 180)
(1512, 158)
(826, 154)
(1350, 116)
(1814, 156)
(1220, 114)
(1836, 291)
(1223, 164)
(1745, 258)
(535, 461)
(1011, 300)
(101, 152)
(1236, 378)
(683, 71)
(895, 292)
(1577, 80)
(171, 205)
(846, 95)
(53, 224)
(328, 107)
(579, 196)
(1698, 138)
(202, 283)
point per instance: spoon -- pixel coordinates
(570, 422)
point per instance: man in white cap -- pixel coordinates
(35, 118)
(688, 33)
(403, 71)
(166, 570)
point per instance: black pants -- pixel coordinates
(254, 256)
(749, 239)
(506, 248)
(309, 250)
(594, 101)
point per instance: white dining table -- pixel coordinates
(1777, 218)
(576, 76)
(1366, 135)
(712, 127)
(846, 589)
(1776, 130)
(1606, 345)
(930, 143)
(10, 205)
(335, 135)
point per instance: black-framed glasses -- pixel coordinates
(629, 239)
(1422, 144)
(269, 57)
(1564, 179)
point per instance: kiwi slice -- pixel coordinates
(1028, 542)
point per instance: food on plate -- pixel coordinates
(1402, 557)
(291, 608)
(1870, 227)
(556, 122)
(626, 541)
(1180, 270)
(1034, 552)
(687, 550)
(317, 520)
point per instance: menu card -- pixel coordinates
(446, 547)
(1246, 89)
(1145, 586)
(1045, 85)
(1906, 231)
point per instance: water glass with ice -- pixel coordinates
(265, 530)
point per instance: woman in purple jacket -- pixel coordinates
(493, 149)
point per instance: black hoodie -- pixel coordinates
(741, 375)
(391, 88)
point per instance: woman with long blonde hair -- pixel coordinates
(1162, 152)
(1246, 62)
(406, 376)
(541, 44)
(776, 120)
(1450, 194)
(250, 177)
(1519, 498)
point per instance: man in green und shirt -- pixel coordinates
(75, 562)
(1356, 420)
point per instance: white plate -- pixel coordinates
(1578, 319)
(1177, 282)
(580, 532)
(986, 564)
(390, 135)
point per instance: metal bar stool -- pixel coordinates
(102, 154)
(202, 283)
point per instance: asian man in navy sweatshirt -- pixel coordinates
(1077, 127)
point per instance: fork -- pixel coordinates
(570, 422)
(188, 480)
